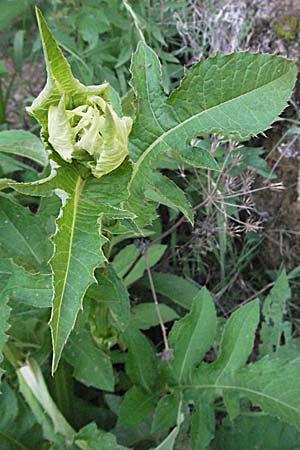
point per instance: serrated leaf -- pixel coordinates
(273, 314)
(141, 361)
(191, 337)
(231, 96)
(144, 315)
(23, 143)
(270, 384)
(30, 288)
(92, 366)
(84, 204)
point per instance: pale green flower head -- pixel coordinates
(79, 122)
(91, 133)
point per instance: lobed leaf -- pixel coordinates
(235, 96)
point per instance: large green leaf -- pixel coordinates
(269, 384)
(91, 438)
(191, 337)
(234, 96)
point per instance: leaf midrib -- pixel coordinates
(243, 389)
(78, 189)
(189, 119)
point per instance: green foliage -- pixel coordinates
(64, 246)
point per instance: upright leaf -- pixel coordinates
(273, 311)
(191, 337)
(231, 96)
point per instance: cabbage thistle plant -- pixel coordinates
(105, 169)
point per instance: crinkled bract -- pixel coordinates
(91, 133)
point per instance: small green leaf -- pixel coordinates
(144, 315)
(23, 143)
(141, 361)
(154, 254)
(191, 337)
(273, 313)
(166, 412)
(23, 235)
(178, 289)
(92, 366)
(91, 438)
(136, 406)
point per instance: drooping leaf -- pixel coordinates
(141, 361)
(33, 387)
(231, 96)
(191, 337)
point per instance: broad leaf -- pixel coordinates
(269, 384)
(202, 425)
(191, 337)
(231, 96)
